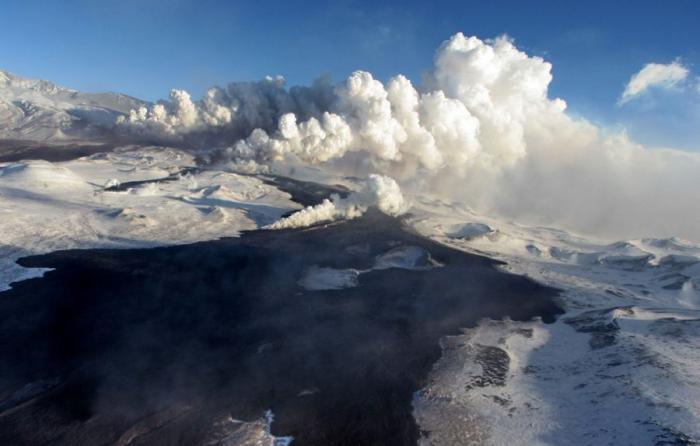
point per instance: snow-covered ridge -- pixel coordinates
(620, 367)
(33, 109)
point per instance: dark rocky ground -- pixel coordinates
(16, 150)
(153, 346)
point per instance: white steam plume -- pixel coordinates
(379, 191)
(481, 130)
(226, 114)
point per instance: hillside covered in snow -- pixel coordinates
(38, 110)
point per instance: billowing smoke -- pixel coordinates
(226, 115)
(481, 129)
(378, 190)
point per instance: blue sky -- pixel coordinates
(146, 47)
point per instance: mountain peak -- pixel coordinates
(36, 109)
(10, 80)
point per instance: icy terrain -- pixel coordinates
(620, 367)
(117, 200)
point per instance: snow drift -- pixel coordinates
(481, 129)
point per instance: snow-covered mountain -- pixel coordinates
(619, 367)
(38, 110)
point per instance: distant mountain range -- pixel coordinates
(38, 110)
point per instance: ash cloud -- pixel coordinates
(481, 129)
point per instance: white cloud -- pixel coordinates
(654, 75)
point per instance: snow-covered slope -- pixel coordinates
(620, 367)
(80, 204)
(39, 110)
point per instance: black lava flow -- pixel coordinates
(154, 346)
